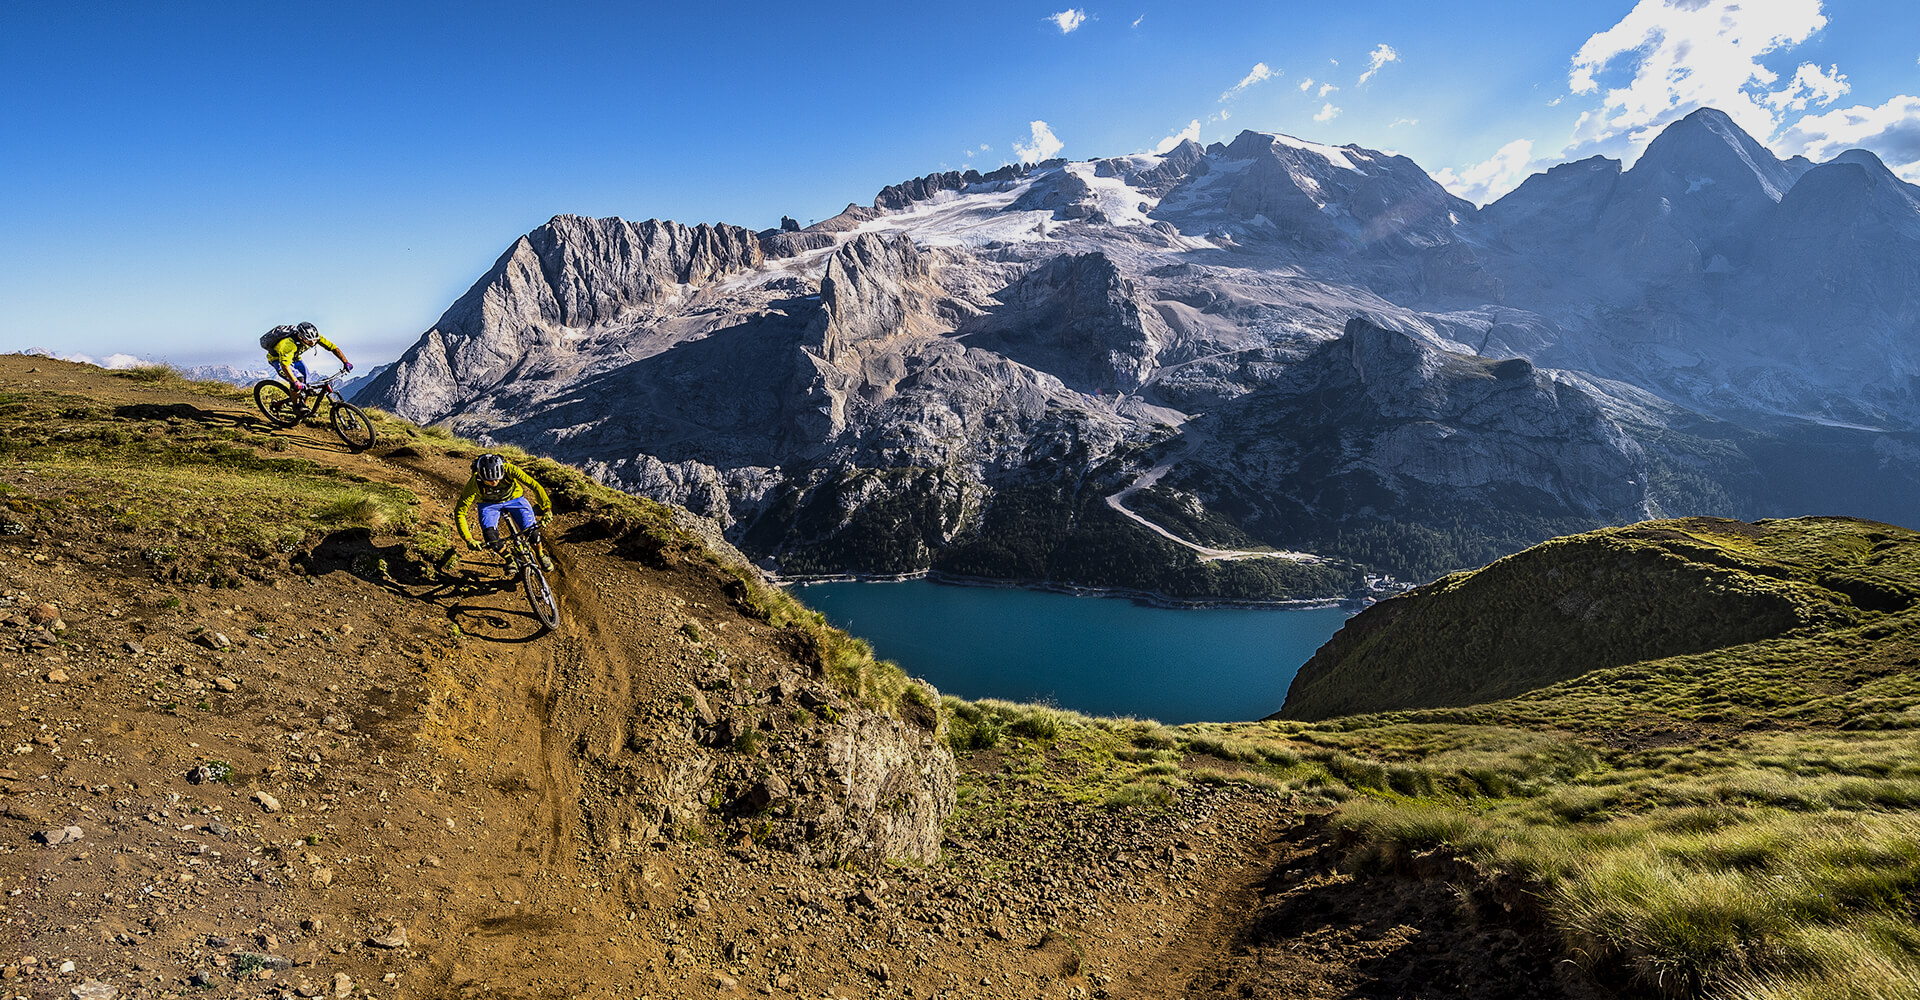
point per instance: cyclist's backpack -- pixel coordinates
(274, 336)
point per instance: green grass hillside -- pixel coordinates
(1607, 599)
(197, 491)
(1706, 768)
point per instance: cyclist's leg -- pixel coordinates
(522, 510)
(300, 371)
(529, 521)
(277, 367)
(489, 517)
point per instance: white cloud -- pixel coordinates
(1192, 131)
(1327, 88)
(1306, 85)
(1397, 122)
(1810, 85)
(1327, 114)
(1259, 72)
(1137, 20)
(1891, 130)
(1045, 145)
(110, 361)
(1484, 182)
(1382, 55)
(1069, 19)
(1678, 56)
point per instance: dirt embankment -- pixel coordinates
(333, 783)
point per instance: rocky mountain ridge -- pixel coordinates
(903, 386)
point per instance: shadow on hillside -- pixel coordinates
(1417, 927)
(247, 420)
(478, 600)
(187, 411)
(718, 395)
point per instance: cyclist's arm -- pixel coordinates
(337, 352)
(467, 498)
(541, 504)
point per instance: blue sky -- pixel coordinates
(179, 177)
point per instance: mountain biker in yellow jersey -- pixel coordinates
(498, 486)
(284, 346)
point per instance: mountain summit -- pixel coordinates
(959, 376)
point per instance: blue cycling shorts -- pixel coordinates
(522, 513)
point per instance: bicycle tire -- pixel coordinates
(275, 401)
(539, 594)
(353, 426)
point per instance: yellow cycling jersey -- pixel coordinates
(288, 348)
(514, 484)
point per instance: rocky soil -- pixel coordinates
(330, 783)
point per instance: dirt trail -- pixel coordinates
(474, 812)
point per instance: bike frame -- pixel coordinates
(524, 548)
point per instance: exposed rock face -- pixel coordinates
(1377, 411)
(1080, 319)
(1715, 274)
(902, 382)
(875, 289)
(569, 274)
(868, 788)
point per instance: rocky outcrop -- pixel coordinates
(875, 289)
(1160, 174)
(1377, 417)
(899, 197)
(1079, 318)
(1346, 199)
(853, 785)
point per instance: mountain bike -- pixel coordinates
(349, 421)
(523, 556)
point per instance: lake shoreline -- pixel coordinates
(1152, 599)
(1102, 658)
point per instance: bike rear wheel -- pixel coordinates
(275, 401)
(353, 426)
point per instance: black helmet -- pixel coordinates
(490, 466)
(307, 333)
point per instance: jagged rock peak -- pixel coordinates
(1707, 145)
(598, 268)
(873, 288)
(897, 197)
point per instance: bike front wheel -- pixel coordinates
(275, 401)
(353, 426)
(539, 593)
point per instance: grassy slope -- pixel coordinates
(199, 498)
(1606, 599)
(1708, 768)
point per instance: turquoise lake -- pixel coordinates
(1098, 655)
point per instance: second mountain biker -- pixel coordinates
(501, 487)
(284, 346)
